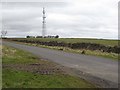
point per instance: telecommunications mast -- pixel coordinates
(43, 24)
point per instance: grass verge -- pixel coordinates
(22, 78)
(112, 56)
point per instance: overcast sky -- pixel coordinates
(67, 18)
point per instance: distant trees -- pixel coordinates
(43, 37)
(56, 36)
(38, 36)
(30, 36)
(52, 36)
(27, 36)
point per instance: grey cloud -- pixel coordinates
(65, 19)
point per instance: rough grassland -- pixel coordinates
(16, 78)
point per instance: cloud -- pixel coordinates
(78, 18)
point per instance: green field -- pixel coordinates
(80, 40)
(19, 72)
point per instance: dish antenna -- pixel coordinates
(3, 33)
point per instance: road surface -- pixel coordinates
(103, 68)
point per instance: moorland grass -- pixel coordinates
(13, 78)
(22, 79)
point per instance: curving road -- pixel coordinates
(103, 68)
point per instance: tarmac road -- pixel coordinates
(105, 69)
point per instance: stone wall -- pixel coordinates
(88, 46)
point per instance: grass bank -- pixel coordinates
(112, 56)
(23, 70)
